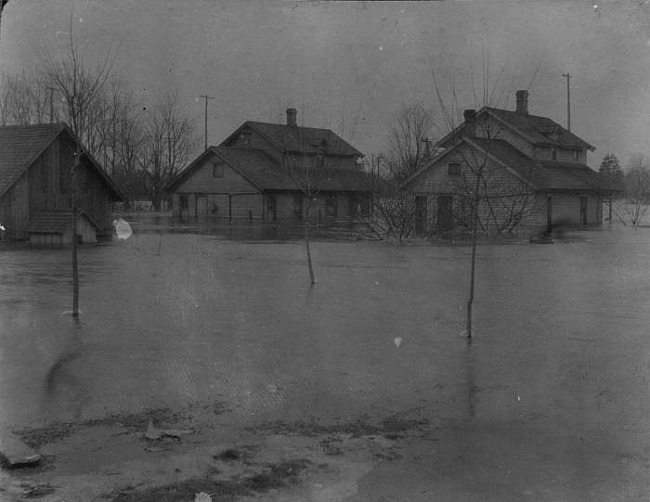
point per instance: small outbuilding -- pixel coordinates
(36, 188)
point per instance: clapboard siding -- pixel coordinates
(14, 209)
(566, 209)
(504, 189)
(203, 181)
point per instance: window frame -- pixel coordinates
(218, 169)
(457, 168)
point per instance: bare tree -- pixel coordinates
(24, 100)
(169, 141)
(476, 171)
(393, 215)
(76, 82)
(636, 194)
(310, 174)
(409, 141)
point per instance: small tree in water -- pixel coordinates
(311, 174)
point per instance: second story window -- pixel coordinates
(554, 153)
(453, 168)
(576, 155)
(217, 170)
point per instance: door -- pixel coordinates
(184, 206)
(583, 211)
(297, 206)
(330, 206)
(420, 214)
(271, 207)
(445, 213)
(201, 205)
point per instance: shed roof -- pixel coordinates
(20, 146)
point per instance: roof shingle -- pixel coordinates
(20, 146)
(303, 139)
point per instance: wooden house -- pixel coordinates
(35, 186)
(532, 174)
(269, 172)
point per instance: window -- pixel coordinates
(554, 153)
(453, 168)
(576, 155)
(217, 170)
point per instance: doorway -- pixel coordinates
(201, 205)
(445, 212)
(420, 214)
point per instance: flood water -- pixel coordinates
(167, 319)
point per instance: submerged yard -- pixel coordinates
(549, 402)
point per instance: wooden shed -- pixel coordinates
(36, 190)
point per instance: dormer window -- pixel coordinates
(453, 168)
(218, 170)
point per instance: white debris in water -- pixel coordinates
(122, 229)
(2, 227)
(398, 341)
(202, 497)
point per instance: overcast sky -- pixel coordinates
(349, 66)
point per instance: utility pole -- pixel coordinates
(51, 89)
(206, 97)
(75, 267)
(568, 101)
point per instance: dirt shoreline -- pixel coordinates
(223, 453)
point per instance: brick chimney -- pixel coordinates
(291, 117)
(470, 123)
(522, 102)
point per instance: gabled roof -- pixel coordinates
(21, 146)
(541, 130)
(545, 175)
(286, 138)
(536, 129)
(267, 174)
(541, 175)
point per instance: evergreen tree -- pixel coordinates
(610, 168)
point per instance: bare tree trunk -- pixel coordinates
(75, 268)
(470, 298)
(309, 261)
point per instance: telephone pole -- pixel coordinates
(206, 97)
(51, 89)
(567, 75)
